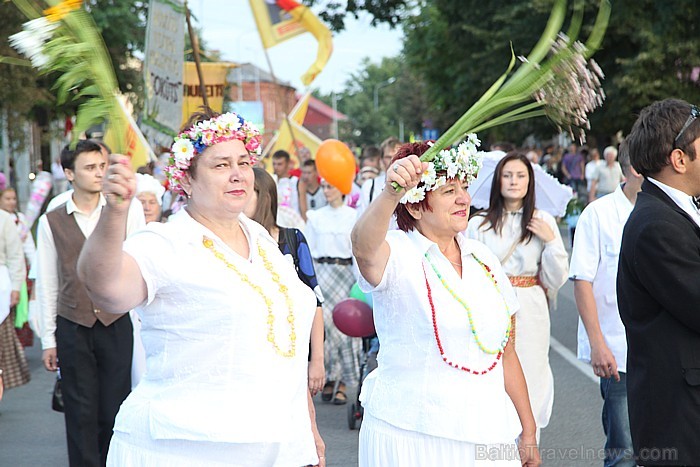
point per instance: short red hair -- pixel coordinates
(404, 218)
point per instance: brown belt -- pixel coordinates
(524, 281)
(339, 261)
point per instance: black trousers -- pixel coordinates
(96, 378)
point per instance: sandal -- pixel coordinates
(327, 393)
(340, 398)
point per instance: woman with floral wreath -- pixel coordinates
(449, 389)
(530, 249)
(225, 319)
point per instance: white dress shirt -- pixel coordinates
(594, 259)
(413, 388)
(682, 199)
(328, 231)
(370, 189)
(47, 260)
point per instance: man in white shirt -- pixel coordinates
(372, 188)
(315, 198)
(94, 348)
(607, 177)
(657, 286)
(287, 186)
(601, 334)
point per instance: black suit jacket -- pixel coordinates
(658, 290)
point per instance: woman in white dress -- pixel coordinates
(449, 389)
(225, 319)
(528, 245)
(328, 234)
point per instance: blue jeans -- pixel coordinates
(616, 423)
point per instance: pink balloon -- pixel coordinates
(353, 318)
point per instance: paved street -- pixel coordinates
(31, 434)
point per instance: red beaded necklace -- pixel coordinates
(439, 343)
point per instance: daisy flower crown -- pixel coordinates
(193, 141)
(462, 162)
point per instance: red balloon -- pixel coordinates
(336, 164)
(353, 318)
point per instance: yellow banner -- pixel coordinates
(302, 139)
(293, 137)
(274, 22)
(214, 75)
(280, 20)
(137, 148)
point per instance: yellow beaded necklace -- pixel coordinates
(209, 244)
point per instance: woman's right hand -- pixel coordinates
(406, 172)
(119, 183)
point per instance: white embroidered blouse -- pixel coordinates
(413, 388)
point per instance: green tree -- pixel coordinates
(123, 27)
(20, 89)
(400, 102)
(651, 51)
(334, 12)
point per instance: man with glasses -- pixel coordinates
(658, 286)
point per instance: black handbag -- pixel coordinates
(57, 398)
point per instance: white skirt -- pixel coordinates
(382, 444)
(139, 449)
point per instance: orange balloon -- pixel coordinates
(336, 164)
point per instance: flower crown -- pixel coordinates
(193, 141)
(463, 162)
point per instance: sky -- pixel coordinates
(228, 26)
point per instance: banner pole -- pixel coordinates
(195, 52)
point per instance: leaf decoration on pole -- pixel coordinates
(64, 39)
(557, 80)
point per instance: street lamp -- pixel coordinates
(391, 80)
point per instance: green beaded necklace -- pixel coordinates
(490, 275)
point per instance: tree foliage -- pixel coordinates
(400, 102)
(334, 13)
(459, 47)
(123, 27)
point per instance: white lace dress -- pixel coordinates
(550, 262)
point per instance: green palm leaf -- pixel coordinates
(78, 54)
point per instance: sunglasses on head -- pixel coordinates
(694, 114)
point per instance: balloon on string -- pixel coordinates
(353, 318)
(336, 164)
(355, 292)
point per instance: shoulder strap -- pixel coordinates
(371, 191)
(515, 244)
(290, 238)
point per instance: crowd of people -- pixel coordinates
(193, 325)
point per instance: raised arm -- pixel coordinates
(368, 237)
(111, 276)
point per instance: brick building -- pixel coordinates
(249, 83)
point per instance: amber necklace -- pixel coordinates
(209, 244)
